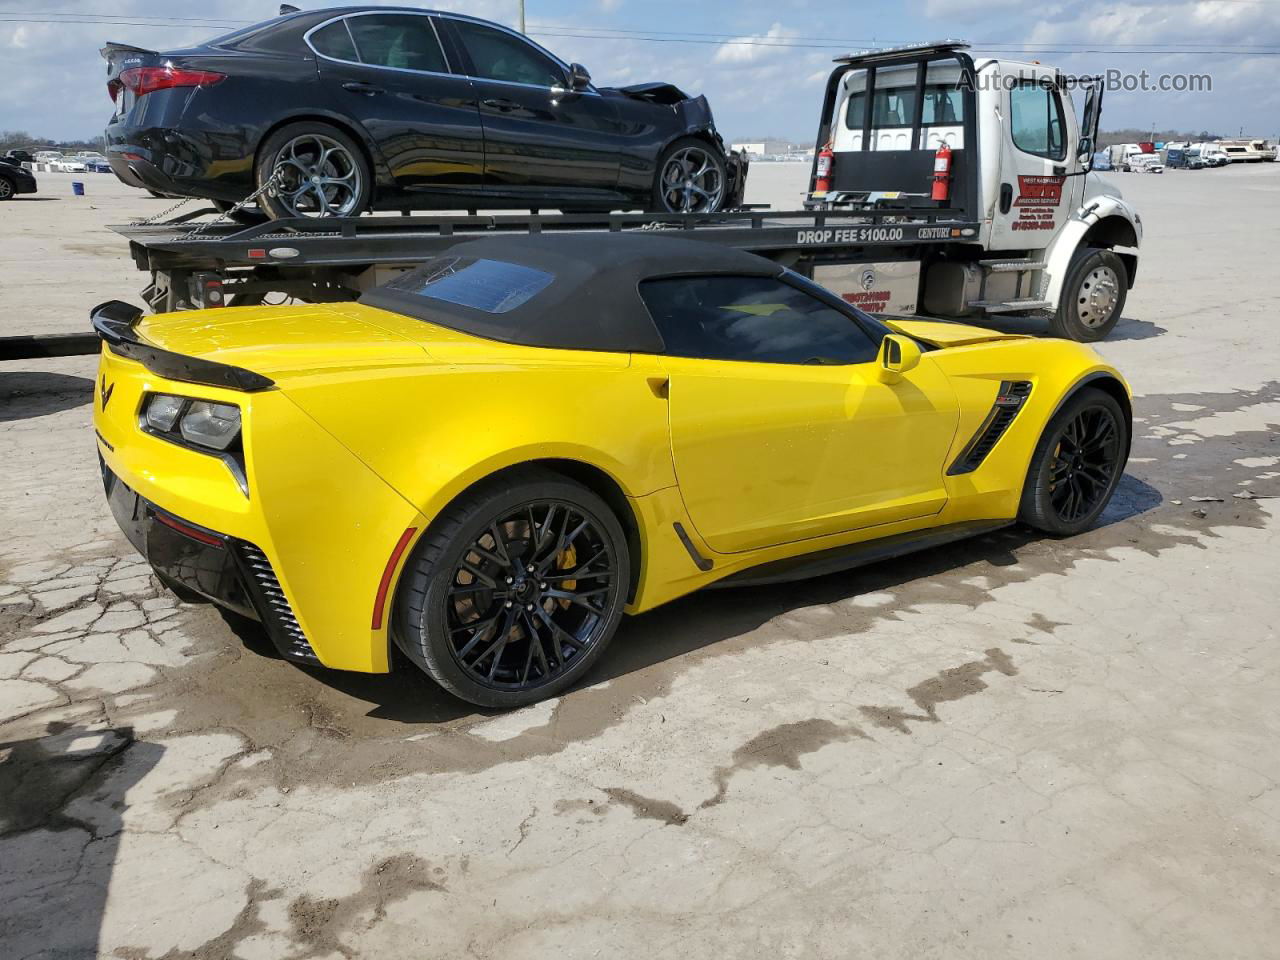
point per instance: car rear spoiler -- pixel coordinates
(110, 48)
(114, 323)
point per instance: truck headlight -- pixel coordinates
(213, 425)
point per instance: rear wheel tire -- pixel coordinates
(1093, 297)
(1076, 465)
(6, 189)
(515, 591)
(323, 173)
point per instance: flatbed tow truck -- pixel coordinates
(1011, 222)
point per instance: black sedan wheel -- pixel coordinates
(1076, 465)
(6, 189)
(691, 178)
(319, 170)
(516, 591)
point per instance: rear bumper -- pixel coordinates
(229, 572)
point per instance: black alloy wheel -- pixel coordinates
(516, 591)
(1077, 464)
(6, 189)
(1084, 463)
(527, 599)
(692, 178)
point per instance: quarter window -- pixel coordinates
(403, 42)
(756, 319)
(1036, 118)
(498, 55)
(334, 41)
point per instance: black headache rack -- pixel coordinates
(328, 260)
(870, 178)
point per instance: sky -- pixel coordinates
(761, 63)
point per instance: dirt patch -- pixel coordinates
(646, 808)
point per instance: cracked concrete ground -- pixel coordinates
(1010, 747)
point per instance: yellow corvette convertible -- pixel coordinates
(491, 458)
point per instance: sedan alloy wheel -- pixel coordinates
(318, 177)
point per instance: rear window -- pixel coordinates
(493, 286)
(334, 41)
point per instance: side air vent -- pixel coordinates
(286, 633)
(1011, 398)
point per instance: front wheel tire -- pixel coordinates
(692, 178)
(1076, 465)
(1092, 298)
(515, 591)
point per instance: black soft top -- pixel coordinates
(577, 292)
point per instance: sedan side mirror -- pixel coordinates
(898, 354)
(579, 77)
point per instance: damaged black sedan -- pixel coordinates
(339, 111)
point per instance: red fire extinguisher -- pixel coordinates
(822, 181)
(942, 172)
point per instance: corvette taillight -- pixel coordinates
(142, 80)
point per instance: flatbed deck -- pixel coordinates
(386, 240)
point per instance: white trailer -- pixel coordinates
(1051, 236)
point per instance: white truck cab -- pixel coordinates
(1048, 236)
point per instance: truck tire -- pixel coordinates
(1092, 297)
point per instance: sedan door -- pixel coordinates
(540, 136)
(781, 429)
(389, 72)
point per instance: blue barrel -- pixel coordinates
(77, 187)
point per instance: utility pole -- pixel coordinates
(521, 3)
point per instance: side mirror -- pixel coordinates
(1085, 148)
(579, 78)
(898, 355)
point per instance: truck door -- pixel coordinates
(1037, 154)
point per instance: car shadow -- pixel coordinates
(698, 621)
(31, 199)
(62, 806)
(26, 394)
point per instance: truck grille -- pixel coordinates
(278, 616)
(1010, 400)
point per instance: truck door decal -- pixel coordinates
(1038, 202)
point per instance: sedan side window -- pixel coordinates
(334, 41)
(498, 55)
(405, 42)
(756, 319)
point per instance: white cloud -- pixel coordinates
(754, 47)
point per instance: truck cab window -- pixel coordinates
(1037, 122)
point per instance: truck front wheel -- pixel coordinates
(1092, 297)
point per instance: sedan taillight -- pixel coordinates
(142, 80)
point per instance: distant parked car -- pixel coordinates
(70, 165)
(388, 108)
(94, 162)
(15, 180)
(1146, 163)
(48, 156)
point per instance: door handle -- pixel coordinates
(368, 89)
(1006, 197)
(506, 106)
(1059, 171)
